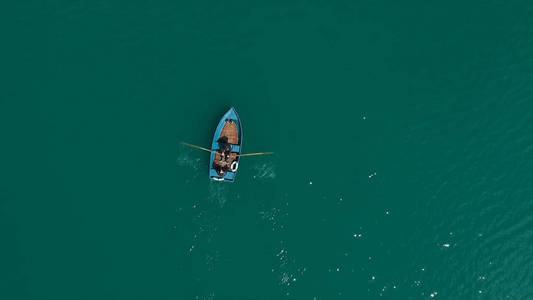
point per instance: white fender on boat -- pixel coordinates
(234, 166)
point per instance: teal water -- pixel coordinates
(402, 132)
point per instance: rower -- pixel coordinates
(227, 151)
(221, 170)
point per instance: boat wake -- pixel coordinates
(217, 194)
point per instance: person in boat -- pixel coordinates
(224, 156)
(224, 148)
(222, 144)
(221, 170)
(227, 151)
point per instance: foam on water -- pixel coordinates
(265, 170)
(188, 160)
(287, 269)
(218, 193)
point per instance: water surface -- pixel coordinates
(403, 136)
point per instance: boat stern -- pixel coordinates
(229, 176)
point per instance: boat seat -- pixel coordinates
(230, 176)
(234, 148)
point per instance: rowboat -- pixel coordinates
(226, 147)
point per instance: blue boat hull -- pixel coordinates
(223, 163)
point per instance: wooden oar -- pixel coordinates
(197, 147)
(253, 154)
(247, 154)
